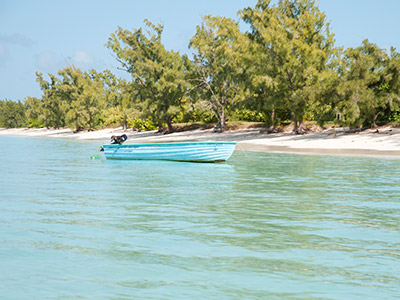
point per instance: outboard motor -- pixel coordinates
(118, 139)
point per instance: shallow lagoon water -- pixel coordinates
(260, 226)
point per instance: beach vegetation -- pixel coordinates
(158, 75)
(12, 114)
(292, 48)
(220, 64)
(33, 111)
(368, 85)
(283, 69)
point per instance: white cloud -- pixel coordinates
(17, 39)
(82, 58)
(46, 60)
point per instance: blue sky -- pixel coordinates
(47, 35)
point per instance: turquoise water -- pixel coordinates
(261, 226)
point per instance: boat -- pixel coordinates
(186, 151)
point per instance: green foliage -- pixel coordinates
(247, 115)
(83, 95)
(292, 48)
(75, 99)
(53, 110)
(141, 124)
(113, 115)
(200, 111)
(395, 116)
(33, 112)
(285, 68)
(219, 64)
(369, 85)
(158, 75)
(12, 114)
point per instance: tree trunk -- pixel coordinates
(222, 119)
(169, 124)
(273, 117)
(272, 121)
(300, 129)
(295, 128)
(376, 117)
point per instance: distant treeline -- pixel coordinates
(286, 68)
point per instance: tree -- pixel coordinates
(75, 99)
(296, 46)
(33, 112)
(53, 111)
(84, 94)
(369, 84)
(121, 100)
(12, 114)
(158, 75)
(220, 63)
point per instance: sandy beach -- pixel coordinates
(385, 143)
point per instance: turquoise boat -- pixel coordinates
(188, 151)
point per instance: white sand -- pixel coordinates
(384, 143)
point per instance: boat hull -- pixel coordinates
(193, 151)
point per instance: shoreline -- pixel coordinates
(386, 143)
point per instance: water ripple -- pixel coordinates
(261, 226)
